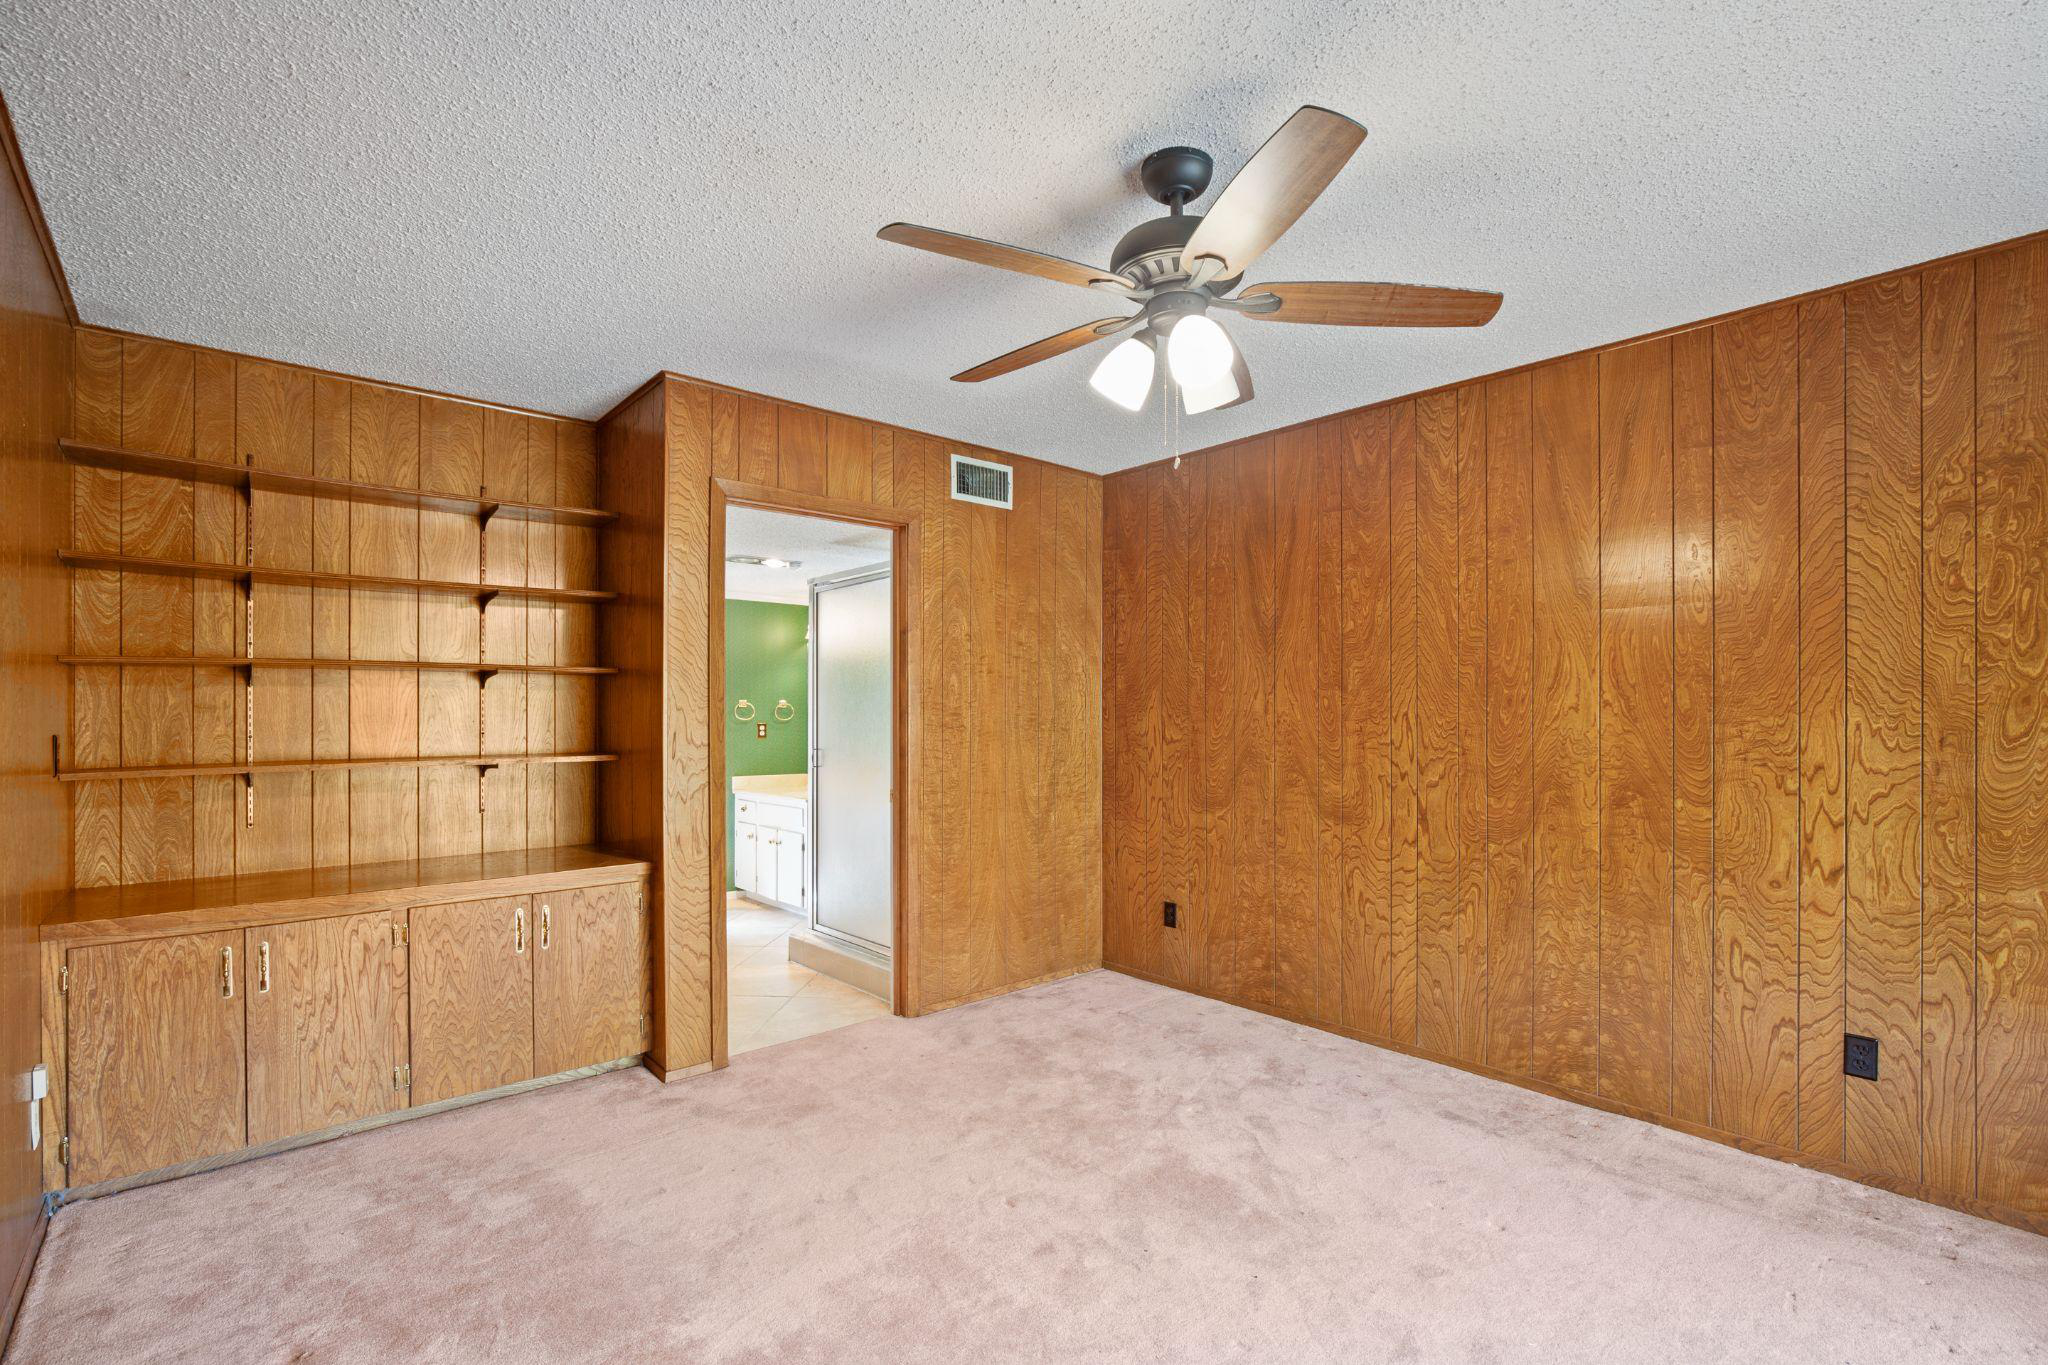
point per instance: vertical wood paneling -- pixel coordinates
(1439, 982)
(2012, 742)
(1299, 744)
(1510, 717)
(1172, 609)
(1364, 604)
(96, 613)
(1756, 810)
(1692, 722)
(1948, 577)
(207, 405)
(1882, 761)
(274, 430)
(156, 614)
(1823, 574)
(1771, 586)
(1565, 641)
(1635, 724)
(1247, 968)
(1404, 774)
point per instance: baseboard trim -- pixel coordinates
(21, 1279)
(1976, 1208)
(340, 1130)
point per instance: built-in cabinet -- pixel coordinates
(326, 1027)
(157, 1057)
(184, 1046)
(769, 862)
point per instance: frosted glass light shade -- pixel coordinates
(1125, 375)
(1223, 389)
(1198, 352)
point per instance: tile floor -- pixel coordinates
(771, 999)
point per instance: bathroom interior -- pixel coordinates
(809, 749)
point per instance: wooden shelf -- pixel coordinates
(237, 661)
(312, 765)
(242, 573)
(112, 912)
(248, 478)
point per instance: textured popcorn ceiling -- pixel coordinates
(543, 204)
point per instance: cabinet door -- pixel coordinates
(746, 846)
(767, 878)
(789, 867)
(590, 973)
(472, 997)
(155, 1051)
(322, 998)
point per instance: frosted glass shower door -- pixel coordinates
(853, 757)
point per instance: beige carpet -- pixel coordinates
(1097, 1169)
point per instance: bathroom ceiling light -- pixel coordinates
(766, 562)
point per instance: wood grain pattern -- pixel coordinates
(1510, 720)
(1441, 987)
(155, 1054)
(1948, 633)
(160, 469)
(322, 1001)
(2012, 743)
(1692, 722)
(471, 996)
(1882, 761)
(1635, 725)
(1565, 846)
(590, 977)
(1784, 662)
(1756, 812)
(1823, 680)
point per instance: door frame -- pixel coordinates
(906, 686)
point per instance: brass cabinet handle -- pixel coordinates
(547, 915)
(263, 967)
(519, 930)
(227, 973)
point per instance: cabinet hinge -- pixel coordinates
(64, 979)
(400, 935)
(401, 1077)
(64, 1151)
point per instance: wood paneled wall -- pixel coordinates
(35, 401)
(1007, 686)
(165, 398)
(1635, 724)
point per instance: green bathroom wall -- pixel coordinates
(766, 660)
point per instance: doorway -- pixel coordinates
(809, 757)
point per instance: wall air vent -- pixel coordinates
(981, 481)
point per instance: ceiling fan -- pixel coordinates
(1182, 267)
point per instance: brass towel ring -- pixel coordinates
(782, 706)
(743, 711)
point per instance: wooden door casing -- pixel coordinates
(590, 978)
(471, 988)
(322, 1046)
(155, 1054)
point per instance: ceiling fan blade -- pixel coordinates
(1000, 256)
(1274, 188)
(1045, 349)
(1342, 304)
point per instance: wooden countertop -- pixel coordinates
(151, 908)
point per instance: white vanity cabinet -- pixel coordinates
(771, 822)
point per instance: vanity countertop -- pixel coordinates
(774, 786)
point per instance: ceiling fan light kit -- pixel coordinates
(1180, 268)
